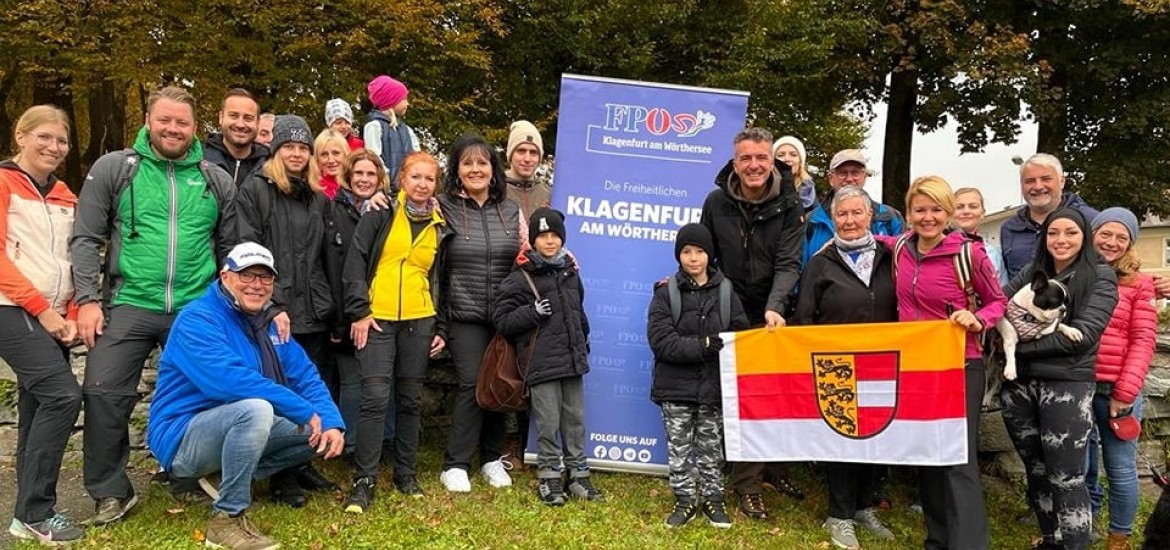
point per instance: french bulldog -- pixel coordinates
(1034, 311)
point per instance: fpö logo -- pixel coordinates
(658, 121)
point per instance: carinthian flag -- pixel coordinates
(889, 393)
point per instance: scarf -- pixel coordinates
(258, 326)
(858, 255)
(329, 185)
(422, 213)
(540, 263)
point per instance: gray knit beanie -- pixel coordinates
(1119, 215)
(290, 128)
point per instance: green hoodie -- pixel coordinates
(169, 217)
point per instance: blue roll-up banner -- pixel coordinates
(634, 163)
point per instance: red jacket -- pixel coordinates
(1127, 345)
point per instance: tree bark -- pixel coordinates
(57, 89)
(7, 84)
(899, 139)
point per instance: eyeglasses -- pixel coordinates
(851, 173)
(45, 140)
(248, 277)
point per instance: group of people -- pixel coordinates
(794, 258)
(298, 289)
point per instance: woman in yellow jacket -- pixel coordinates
(38, 317)
(389, 279)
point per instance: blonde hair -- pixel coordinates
(172, 93)
(934, 188)
(35, 116)
(1127, 265)
(965, 190)
(326, 138)
(274, 169)
(358, 156)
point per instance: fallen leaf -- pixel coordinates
(775, 532)
(175, 511)
(654, 493)
(334, 528)
(317, 545)
(823, 544)
(198, 536)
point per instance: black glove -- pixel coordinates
(786, 175)
(543, 307)
(711, 345)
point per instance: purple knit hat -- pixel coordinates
(385, 92)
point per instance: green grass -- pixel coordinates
(632, 517)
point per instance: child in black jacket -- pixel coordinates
(557, 359)
(686, 375)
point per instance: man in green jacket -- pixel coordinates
(167, 220)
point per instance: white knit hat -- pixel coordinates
(796, 144)
(337, 108)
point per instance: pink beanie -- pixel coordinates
(385, 92)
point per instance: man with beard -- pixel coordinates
(524, 152)
(235, 148)
(755, 217)
(1042, 185)
(165, 218)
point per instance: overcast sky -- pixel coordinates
(938, 153)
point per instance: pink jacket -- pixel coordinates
(928, 285)
(1127, 345)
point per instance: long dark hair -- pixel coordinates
(467, 143)
(1081, 274)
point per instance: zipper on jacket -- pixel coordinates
(487, 248)
(52, 246)
(236, 172)
(172, 240)
(16, 253)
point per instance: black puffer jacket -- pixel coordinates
(757, 245)
(1090, 306)
(476, 258)
(345, 219)
(241, 170)
(561, 349)
(293, 227)
(682, 373)
(832, 294)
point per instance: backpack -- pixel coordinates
(501, 386)
(964, 270)
(674, 296)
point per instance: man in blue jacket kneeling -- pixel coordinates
(232, 397)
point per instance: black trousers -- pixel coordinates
(49, 400)
(851, 487)
(471, 427)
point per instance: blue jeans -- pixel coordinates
(350, 401)
(244, 440)
(1120, 468)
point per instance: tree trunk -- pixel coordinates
(1053, 121)
(56, 89)
(899, 138)
(107, 121)
(7, 84)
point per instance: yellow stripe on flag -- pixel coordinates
(924, 345)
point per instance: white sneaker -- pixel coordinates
(496, 473)
(455, 480)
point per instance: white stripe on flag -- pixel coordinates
(729, 383)
(905, 442)
(877, 393)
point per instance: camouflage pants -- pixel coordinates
(694, 433)
(1049, 423)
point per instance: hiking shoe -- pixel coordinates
(236, 533)
(284, 488)
(455, 480)
(55, 531)
(188, 491)
(361, 496)
(496, 473)
(111, 509)
(408, 485)
(550, 491)
(782, 485)
(716, 513)
(311, 480)
(841, 533)
(513, 453)
(752, 506)
(868, 519)
(582, 488)
(684, 511)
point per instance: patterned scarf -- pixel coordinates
(258, 323)
(858, 255)
(416, 213)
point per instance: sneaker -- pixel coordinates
(716, 513)
(236, 533)
(455, 480)
(752, 506)
(582, 488)
(684, 511)
(868, 519)
(188, 491)
(841, 533)
(781, 484)
(55, 531)
(311, 480)
(550, 491)
(111, 509)
(496, 473)
(361, 496)
(408, 485)
(284, 488)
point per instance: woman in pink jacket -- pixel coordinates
(928, 287)
(1127, 347)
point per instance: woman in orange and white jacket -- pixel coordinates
(1127, 347)
(38, 317)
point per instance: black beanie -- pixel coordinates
(696, 234)
(544, 220)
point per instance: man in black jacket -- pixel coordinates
(235, 148)
(755, 218)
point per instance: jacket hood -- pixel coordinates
(259, 151)
(142, 146)
(729, 182)
(12, 165)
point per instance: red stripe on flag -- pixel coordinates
(872, 419)
(876, 366)
(922, 395)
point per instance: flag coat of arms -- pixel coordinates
(887, 393)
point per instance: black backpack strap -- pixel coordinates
(674, 296)
(725, 303)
